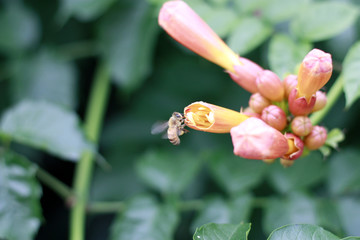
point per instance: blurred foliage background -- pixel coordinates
(49, 53)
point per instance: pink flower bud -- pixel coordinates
(275, 117)
(320, 101)
(270, 86)
(258, 102)
(299, 106)
(296, 147)
(249, 112)
(315, 71)
(186, 27)
(245, 74)
(290, 82)
(316, 138)
(254, 139)
(301, 126)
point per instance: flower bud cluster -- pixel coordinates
(276, 124)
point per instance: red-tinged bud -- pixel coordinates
(301, 126)
(258, 102)
(245, 74)
(290, 82)
(296, 147)
(316, 138)
(320, 101)
(186, 27)
(254, 139)
(274, 116)
(270, 86)
(315, 71)
(299, 106)
(249, 112)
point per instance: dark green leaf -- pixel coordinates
(84, 9)
(305, 172)
(213, 231)
(20, 210)
(349, 212)
(249, 33)
(320, 21)
(144, 218)
(301, 231)
(351, 71)
(277, 11)
(344, 174)
(127, 36)
(334, 137)
(44, 76)
(19, 27)
(168, 172)
(45, 126)
(217, 210)
(236, 174)
(285, 54)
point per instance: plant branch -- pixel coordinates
(83, 173)
(332, 97)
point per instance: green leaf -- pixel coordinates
(47, 127)
(349, 212)
(217, 210)
(301, 231)
(20, 28)
(249, 34)
(334, 137)
(277, 11)
(222, 21)
(351, 71)
(168, 172)
(44, 76)
(320, 21)
(285, 54)
(305, 172)
(343, 176)
(250, 6)
(84, 10)
(297, 208)
(20, 192)
(236, 174)
(144, 218)
(213, 231)
(127, 37)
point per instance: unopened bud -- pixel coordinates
(315, 71)
(301, 126)
(254, 139)
(316, 138)
(275, 117)
(320, 101)
(290, 82)
(245, 74)
(250, 112)
(270, 86)
(258, 102)
(296, 147)
(299, 106)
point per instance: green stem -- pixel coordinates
(332, 97)
(82, 178)
(53, 183)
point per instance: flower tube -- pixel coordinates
(207, 117)
(186, 27)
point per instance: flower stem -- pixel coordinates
(83, 172)
(53, 183)
(332, 96)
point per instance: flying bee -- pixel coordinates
(175, 128)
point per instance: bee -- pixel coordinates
(175, 128)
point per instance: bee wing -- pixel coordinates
(159, 127)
